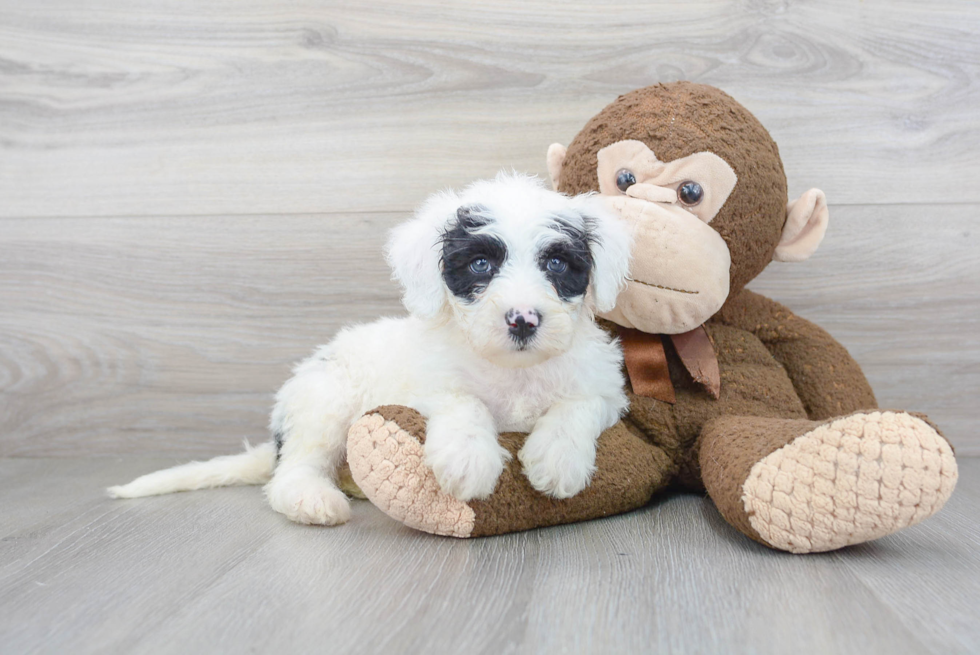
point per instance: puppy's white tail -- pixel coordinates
(254, 466)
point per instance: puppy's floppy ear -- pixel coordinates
(611, 245)
(414, 252)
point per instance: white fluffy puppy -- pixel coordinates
(501, 282)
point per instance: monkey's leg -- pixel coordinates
(384, 451)
(812, 486)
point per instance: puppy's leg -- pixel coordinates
(461, 446)
(559, 454)
(311, 417)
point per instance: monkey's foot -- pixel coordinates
(386, 458)
(384, 451)
(843, 482)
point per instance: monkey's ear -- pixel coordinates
(806, 224)
(414, 254)
(556, 158)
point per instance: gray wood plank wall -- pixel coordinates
(193, 196)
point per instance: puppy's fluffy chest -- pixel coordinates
(423, 360)
(517, 398)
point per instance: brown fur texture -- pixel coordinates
(629, 473)
(828, 381)
(730, 447)
(680, 119)
(781, 376)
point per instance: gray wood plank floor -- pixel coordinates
(218, 571)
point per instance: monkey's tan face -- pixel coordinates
(680, 272)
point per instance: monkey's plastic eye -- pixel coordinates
(480, 265)
(690, 193)
(557, 265)
(625, 179)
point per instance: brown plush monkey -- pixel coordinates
(730, 392)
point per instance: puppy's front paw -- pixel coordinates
(556, 465)
(465, 466)
(308, 500)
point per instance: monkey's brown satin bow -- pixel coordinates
(646, 362)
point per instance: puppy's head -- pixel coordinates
(517, 267)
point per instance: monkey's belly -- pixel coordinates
(753, 383)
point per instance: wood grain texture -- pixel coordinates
(255, 106)
(218, 571)
(170, 335)
(177, 331)
(898, 287)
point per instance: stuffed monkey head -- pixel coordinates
(701, 183)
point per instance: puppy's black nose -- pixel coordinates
(522, 323)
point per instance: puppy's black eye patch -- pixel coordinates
(568, 263)
(469, 261)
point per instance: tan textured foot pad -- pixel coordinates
(852, 480)
(387, 464)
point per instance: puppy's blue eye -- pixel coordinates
(480, 265)
(557, 265)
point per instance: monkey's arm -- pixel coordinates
(825, 376)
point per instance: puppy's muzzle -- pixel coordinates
(522, 323)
